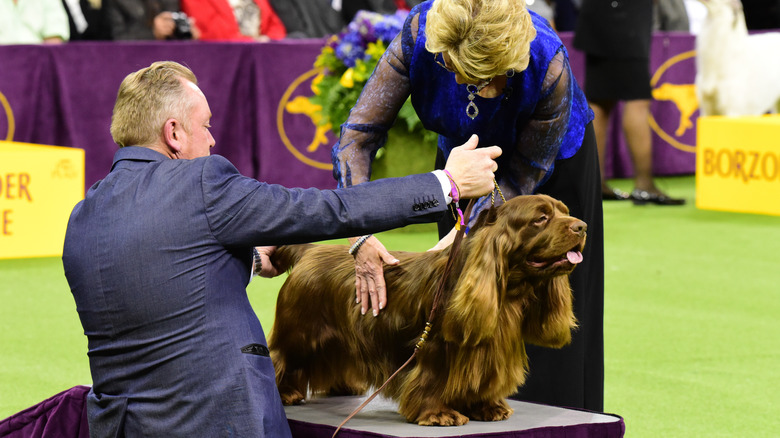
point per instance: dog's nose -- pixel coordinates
(579, 227)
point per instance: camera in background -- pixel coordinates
(183, 29)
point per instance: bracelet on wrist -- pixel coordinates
(358, 243)
(454, 190)
(455, 194)
(257, 262)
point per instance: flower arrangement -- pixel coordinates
(347, 61)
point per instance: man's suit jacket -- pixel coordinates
(158, 257)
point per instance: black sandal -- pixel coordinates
(642, 197)
(614, 194)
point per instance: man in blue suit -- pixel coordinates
(159, 253)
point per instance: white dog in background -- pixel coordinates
(737, 74)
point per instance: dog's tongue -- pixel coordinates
(574, 257)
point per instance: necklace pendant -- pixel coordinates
(471, 110)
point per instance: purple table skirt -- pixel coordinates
(65, 416)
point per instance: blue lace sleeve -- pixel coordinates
(365, 130)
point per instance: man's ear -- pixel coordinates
(172, 135)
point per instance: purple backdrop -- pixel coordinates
(64, 95)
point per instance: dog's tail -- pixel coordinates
(285, 257)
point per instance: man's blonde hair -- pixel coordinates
(483, 38)
(146, 99)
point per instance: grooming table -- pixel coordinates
(320, 417)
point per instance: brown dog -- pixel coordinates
(509, 286)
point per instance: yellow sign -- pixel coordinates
(39, 185)
(738, 164)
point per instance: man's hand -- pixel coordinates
(370, 289)
(473, 169)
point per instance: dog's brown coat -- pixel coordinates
(510, 286)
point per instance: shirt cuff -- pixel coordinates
(446, 186)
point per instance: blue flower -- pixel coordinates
(388, 28)
(367, 27)
(350, 48)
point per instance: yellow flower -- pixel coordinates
(347, 80)
(315, 83)
(359, 72)
(376, 50)
(322, 59)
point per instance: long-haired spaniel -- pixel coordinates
(509, 285)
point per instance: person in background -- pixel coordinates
(33, 22)
(761, 14)
(494, 69)
(87, 20)
(235, 20)
(615, 37)
(148, 20)
(670, 15)
(159, 253)
(349, 8)
(566, 12)
(308, 18)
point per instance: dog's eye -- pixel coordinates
(540, 220)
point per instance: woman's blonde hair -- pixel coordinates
(483, 38)
(146, 99)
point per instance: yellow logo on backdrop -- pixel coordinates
(683, 96)
(39, 185)
(9, 118)
(301, 105)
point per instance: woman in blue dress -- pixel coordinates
(491, 68)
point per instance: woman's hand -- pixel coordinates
(370, 288)
(267, 269)
(445, 241)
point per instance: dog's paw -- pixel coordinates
(443, 417)
(490, 411)
(292, 397)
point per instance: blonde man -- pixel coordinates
(159, 253)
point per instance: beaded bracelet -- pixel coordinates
(455, 191)
(358, 243)
(257, 262)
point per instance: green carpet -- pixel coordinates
(691, 328)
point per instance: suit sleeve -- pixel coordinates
(243, 211)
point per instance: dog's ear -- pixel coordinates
(549, 317)
(472, 313)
